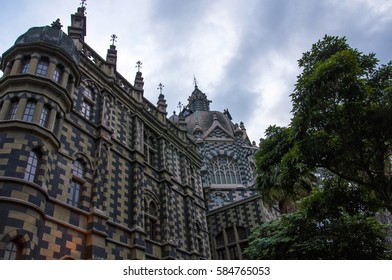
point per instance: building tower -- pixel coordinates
(89, 168)
(233, 203)
(40, 75)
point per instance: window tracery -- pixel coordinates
(224, 170)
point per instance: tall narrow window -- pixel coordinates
(13, 250)
(29, 111)
(150, 149)
(151, 219)
(42, 68)
(199, 239)
(13, 108)
(74, 193)
(57, 74)
(88, 102)
(43, 120)
(77, 181)
(86, 110)
(31, 168)
(25, 67)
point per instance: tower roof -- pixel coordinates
(198, 101)
(52, 35)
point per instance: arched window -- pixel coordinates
(31, 168)
(42, 68)
(29, 111)
(199, 239)
(13, 108)
(88, 102)
(224, 170)
(151, 218)
(77, 182)
(150, 149)
(13, 250)
(78, 169)
(87, 92)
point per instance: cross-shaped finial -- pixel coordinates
(160, 87)
(138, 65)
(83, 4)
(195, 81)
(113, 38)
(180, 105)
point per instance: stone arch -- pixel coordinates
(92, 85)
(84, 159)
(25, 239)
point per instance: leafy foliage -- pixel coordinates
(342, 114)
(334, 222)
(281, 174)
(338, 149)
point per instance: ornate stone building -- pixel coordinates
(90, 169)
(233, 203)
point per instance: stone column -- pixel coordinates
(52, 66)
(20, 109)
(64, 78)
(34, 63)
(4, 109)
(60, 121)
(17, 65)
(38, 111)
(52, 119)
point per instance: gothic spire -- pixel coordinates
(198, 100)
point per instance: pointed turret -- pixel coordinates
(198, 100)
(78, 27)
(111, 56)
(161, 104)
(139, 84)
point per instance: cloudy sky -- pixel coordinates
(243, 53)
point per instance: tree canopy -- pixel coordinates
(342, 113)
(337, 153)
(334, 222)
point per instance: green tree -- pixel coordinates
(281, 176)
(341, 125)
(334, 222)
(342, 114)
